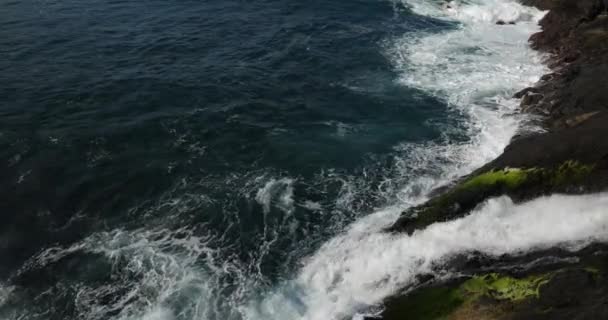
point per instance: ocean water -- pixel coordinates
(206, 159)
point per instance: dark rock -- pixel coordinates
(531, 99)
(540, 4)
(522, 93)
(586, 143)
(575, 281)
(571, 294)
(565, 16)
(547, 77)
(570, 289)
(502, 22)
(569, 58)
(425, 278)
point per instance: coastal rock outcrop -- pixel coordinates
(569, 156)
(573, 103)
(574, 292)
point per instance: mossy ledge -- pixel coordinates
(445, 302)
(501, 287)
(498, 296)
(518, 183)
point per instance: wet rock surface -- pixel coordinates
(573, 104)
(570, 156)
(575, 34)
(552, 284)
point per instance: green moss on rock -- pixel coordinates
(519, 183)
(570, 172)
(510, 178)
(466, 195)
(439, 303)
(500, 287)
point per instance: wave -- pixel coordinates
(357, 270)
(283, 188)
(159, 272)
(5, 292)
(167, 274)
(475, 68)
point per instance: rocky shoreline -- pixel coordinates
(570, 157)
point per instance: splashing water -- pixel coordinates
(178, 274)
(358, 269)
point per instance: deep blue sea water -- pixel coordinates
(176, 159)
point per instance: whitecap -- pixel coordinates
(359, 269)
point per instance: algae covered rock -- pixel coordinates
(500, 296)
(451, 301)
(518, 183)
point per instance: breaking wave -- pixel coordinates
(356, 270)
(165, 271)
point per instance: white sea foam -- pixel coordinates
(154, 271)
(312, 205)
(355, 270)
(279, 192)
(474, 68)
(479, 62)
(5, 292)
